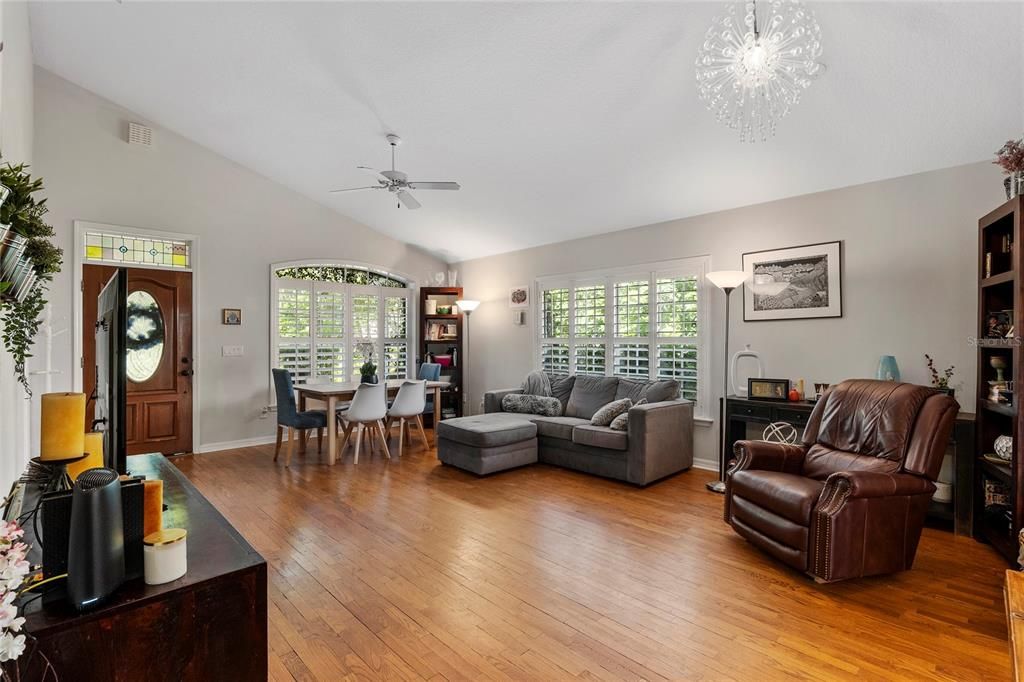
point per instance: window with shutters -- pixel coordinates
(330, 319)
(644, 322)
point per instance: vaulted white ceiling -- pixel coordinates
(560, 120)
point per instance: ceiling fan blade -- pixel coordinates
(367, 169)
(408, 200)
(353, 189)
(434, 185)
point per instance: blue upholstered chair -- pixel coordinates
(288, 417)
(429, 371)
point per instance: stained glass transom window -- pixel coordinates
(138, 250)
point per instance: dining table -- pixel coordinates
(333, 393)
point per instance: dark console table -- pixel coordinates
(742, 411)
(210, 624)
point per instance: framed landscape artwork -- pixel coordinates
(794, 283)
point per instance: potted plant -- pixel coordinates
(1010, 158)
(368, 370)
(28, 261)
(940, 380)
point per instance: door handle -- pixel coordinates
(187, 372)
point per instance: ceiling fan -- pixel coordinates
(396, 182)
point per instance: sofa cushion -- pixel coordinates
(531, 404)
(600, 437)
(605, 415)
(557, 427)
(660, 391)
(652, 391)
(621, 423)
(487, 430)
(790, 496)
(561, 387)
(589, 394)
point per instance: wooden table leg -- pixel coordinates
(332, 431)
(437, 406)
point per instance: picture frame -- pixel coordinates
(794, 283)
(519, 297)
(231, 316)
(768, 389)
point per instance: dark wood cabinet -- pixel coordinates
(210, 624)
(740, 412)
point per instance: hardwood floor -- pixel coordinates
(410, 570)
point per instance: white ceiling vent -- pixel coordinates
(140, 135)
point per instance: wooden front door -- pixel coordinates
(159, 388)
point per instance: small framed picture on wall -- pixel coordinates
(519, 297)
(231, 316)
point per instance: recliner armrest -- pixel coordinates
(868, 484)
(492, 399)
(768, 456)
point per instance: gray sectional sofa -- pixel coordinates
(658, 440)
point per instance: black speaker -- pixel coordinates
(55, 520)
(95, 539)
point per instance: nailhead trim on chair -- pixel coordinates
(831, 502)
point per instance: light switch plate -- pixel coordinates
(232, 351)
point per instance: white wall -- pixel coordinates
(244, 222)
(909, 287)
(15, 146)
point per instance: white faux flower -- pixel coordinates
(11, 646)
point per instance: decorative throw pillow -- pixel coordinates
(621, 422)
(531, 404)
(605, 415)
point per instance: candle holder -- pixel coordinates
(51, 475)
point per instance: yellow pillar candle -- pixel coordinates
(63, 418)
(94, 450)
(152, 506)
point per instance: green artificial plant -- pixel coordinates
(23, 213)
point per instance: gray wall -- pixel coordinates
(909, 287)
(244, 222)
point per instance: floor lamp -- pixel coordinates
(726, 280)
(467, 306)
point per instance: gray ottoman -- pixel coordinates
(487, 443)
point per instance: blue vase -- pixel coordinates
(888, 370)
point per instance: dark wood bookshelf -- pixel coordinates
(999, 289)
(445, 296)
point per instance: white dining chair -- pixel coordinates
(368, 409)
(409, 405)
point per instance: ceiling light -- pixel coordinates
(755, 63)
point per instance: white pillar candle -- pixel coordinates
(165, 557)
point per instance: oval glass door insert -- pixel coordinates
(145, 342)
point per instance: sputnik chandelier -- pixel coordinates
(756, 61)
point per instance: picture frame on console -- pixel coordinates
(793, 283)
(768, 389)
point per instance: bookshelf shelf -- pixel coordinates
(1000, 297)
(435, 342)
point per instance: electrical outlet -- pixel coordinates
(232, 351)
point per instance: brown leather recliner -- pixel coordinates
(851, 500)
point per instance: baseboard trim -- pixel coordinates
(706, 464)
(232, 444)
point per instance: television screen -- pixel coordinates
(111, 386)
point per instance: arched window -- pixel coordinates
(327, 319)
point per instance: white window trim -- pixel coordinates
(409, 292)
(696, 266)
